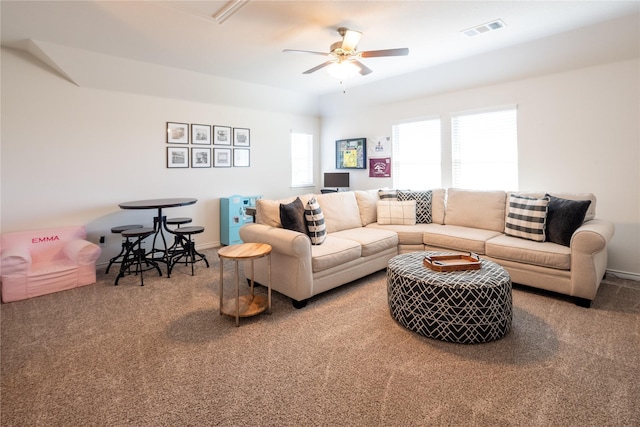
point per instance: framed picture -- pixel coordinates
(241, 137)
(241, 157)
(201, 134)
(380, 168)
(222, 157)
(351, 153)
(221, 135)
(177, 133)
(200, 157)
(177, 157)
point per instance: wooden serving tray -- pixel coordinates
(452, 262)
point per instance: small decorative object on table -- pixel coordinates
(452, 262)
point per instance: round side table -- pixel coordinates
(251, 304)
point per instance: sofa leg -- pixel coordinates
(583, 302)
(300, 304)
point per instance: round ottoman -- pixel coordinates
(468, 306)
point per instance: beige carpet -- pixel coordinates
(161, 355)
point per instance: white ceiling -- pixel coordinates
(248, 46)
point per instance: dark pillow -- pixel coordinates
(292, 216)
(563, 219)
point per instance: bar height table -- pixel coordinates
(159, 222)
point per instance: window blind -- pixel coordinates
(416, 155)
(485, 150)
(301, 159)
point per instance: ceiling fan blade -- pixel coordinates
(305, 51)
(385, 52)
(318, 67)
(364, 70)
(350, 40)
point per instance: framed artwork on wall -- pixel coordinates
(222, 157)
(200, 157)
(177, 133)
(241, 137)
(221, 135)
(177, 157)
(351, 153)
(241, 157)
(201, 134)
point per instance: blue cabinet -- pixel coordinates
(233, 215)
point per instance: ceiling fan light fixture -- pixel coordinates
(350, 40)
(343, 70)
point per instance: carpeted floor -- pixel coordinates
(161, 355)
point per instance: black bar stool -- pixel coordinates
(126, 243)
(136, 256)
(178, 222)
(188, 250)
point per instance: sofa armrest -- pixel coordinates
(286, 242)
(82, 252)
(589, 257)
(16, 260)
(592, 236)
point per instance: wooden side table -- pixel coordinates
(245, 305)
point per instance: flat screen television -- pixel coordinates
(336, 179)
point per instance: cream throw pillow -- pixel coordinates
(397, 213)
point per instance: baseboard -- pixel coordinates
(624, 275)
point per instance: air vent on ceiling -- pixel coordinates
(484, 28)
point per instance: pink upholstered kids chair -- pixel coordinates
(40, 262)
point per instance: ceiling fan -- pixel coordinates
(343, 53)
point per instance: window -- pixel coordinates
(416, 155)
(301, 159)
(485, 150)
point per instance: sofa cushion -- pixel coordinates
(423, 204)
(564, 218)
(438, 205)
(465, 239)
(407, 234)
(397, 212)
(527, 218)
(372, 241)
(545, 254)
(292, 216)
(314, 219)
(368, 205)
(334, 251)
(340, 210)
(477, 209)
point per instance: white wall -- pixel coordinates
(70, 154)
(578, 131)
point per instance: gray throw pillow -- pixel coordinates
(563, 218)
(292, 216)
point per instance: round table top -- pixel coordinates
(410, 266)
(245, 251)
(158, 203)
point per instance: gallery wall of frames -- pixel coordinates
(204, 146)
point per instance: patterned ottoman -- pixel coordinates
(471, 306)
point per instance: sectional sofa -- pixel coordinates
(547, 241)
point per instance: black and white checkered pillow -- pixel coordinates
(423, 204)
(527, 217)
(315, 222)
